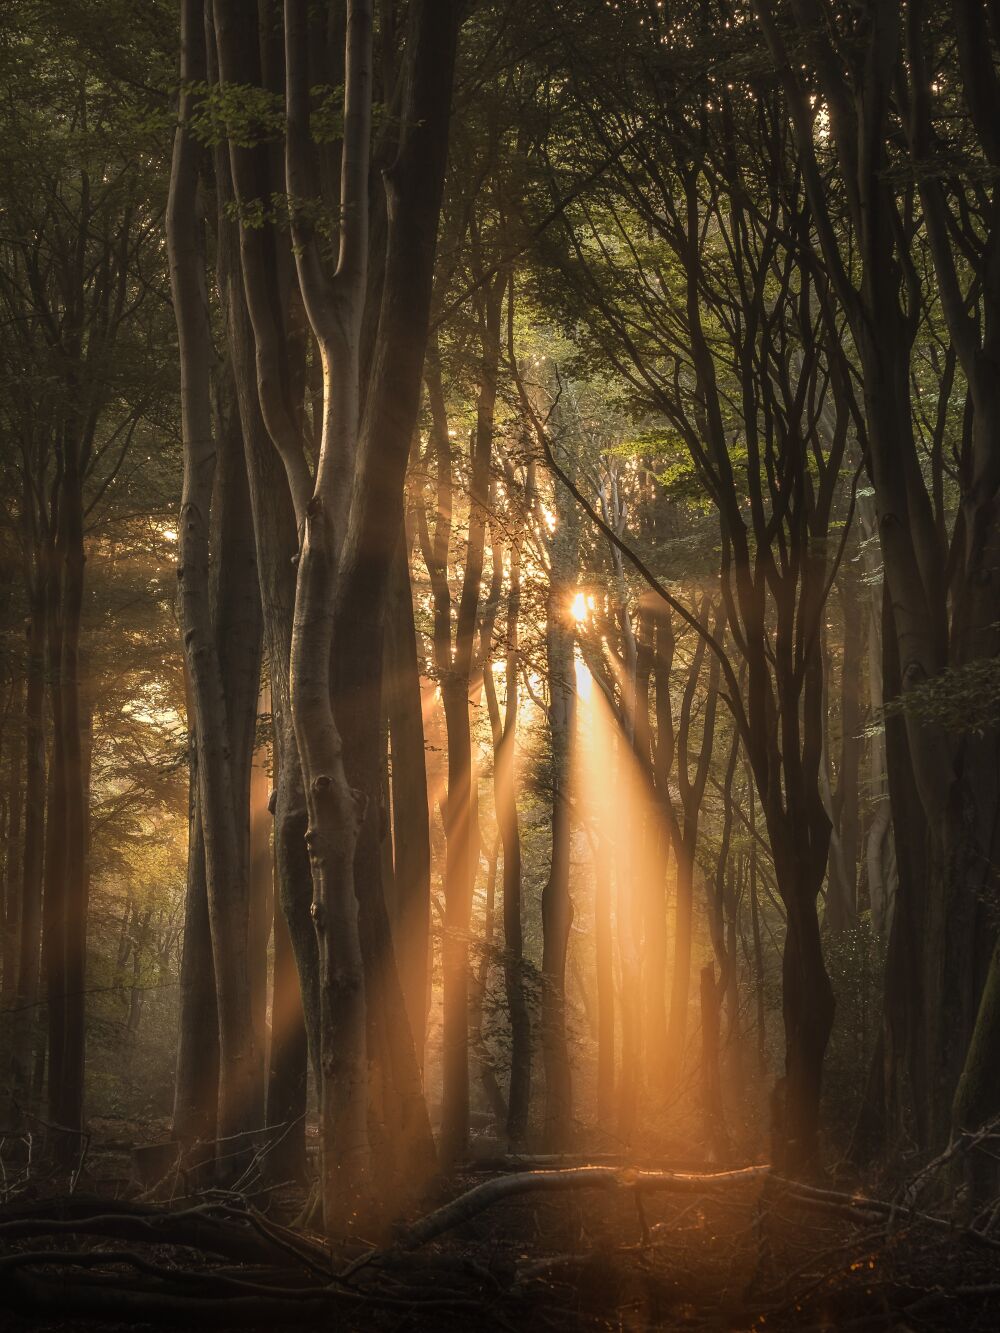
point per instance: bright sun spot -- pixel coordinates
(581, 606)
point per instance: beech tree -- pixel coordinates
(348, 508)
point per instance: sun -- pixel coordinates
(582, 606)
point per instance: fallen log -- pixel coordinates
(491, 1192)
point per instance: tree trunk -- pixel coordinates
(235, 608)
(505, 758)
(907, 1071)
(410, 814)
(685, 836)
(267, 338)
(653, 866)
(557, 904)
(240, 1066)
(262, 908)
(196, 1079)
(66, 1098)
(879, 850)
(711, 1078)
(680, 985)
(459, 880)
(236, 634)
(481, 1052)
(847, 802)
(288, 1061)
(842, 801)
(13, 852)
(54, 893)
(288, 1051)
(807, 1008)
(29, 940)
(336, 808)
(276, 542)
(261, 915)
(758, 945)
(414, 186)
(504, 731)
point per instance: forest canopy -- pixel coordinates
(499, 639)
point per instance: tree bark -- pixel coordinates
(267, 338)
(455, 666)
(66, 1094)
(54, 906)
(29, 942)
(234, 592)
(336, 808)
(711, 1075)
(504, 731)
(13, 852)
(240, 1066)
(196, 1078)
(557, 903)
(684, 831)
(410, 813)
(480, 1050)
(288, 1066)
(261, 914)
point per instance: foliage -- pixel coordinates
(962, 699)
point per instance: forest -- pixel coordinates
(500, 664)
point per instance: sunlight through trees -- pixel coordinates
(500, 523)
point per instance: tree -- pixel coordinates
(349, 511)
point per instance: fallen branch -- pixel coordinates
(490, 1192)
(514, 1161)
(960, 1146)
(864, 1209)
(207, 1280)
(213, 1228)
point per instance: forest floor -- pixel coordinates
(743, 1255)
